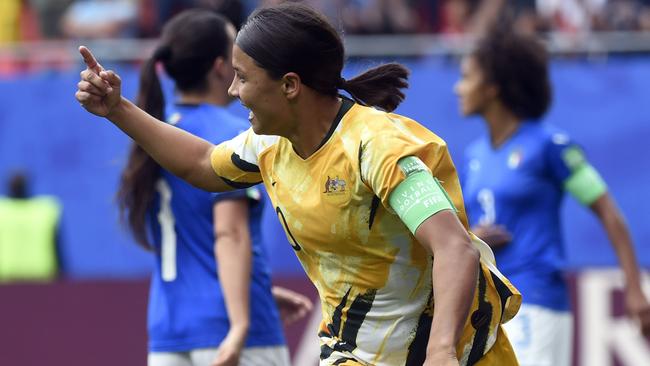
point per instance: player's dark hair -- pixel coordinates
(189, 45)
(18, 186)
(292, 37)
(518, 65)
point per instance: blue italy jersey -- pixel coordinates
(186, 303)
(519, 185)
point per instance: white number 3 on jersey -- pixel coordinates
(486, 200)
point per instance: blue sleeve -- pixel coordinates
(563, 156)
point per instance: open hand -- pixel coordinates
(99, 90)
(230, 349)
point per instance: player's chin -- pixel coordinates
(258, 127)
(253, 121)
(257, 130)
(261, 126)
(463, 111)
(466, 110)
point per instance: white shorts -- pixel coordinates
(252, 356)
(541, 336)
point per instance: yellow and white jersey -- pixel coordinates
(373, 278)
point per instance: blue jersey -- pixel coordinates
(519, 185)
(186, 303)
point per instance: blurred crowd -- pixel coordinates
(61, 19)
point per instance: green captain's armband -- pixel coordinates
(585, 184)
(419, 195)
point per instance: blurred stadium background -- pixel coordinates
(94, 314)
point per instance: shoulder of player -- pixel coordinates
(550, 135)
(373, 124)
(258, 143)
(369, 118)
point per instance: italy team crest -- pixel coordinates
(515, 158)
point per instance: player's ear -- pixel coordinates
(291, 85)
(492, 91)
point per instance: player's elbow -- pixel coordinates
(457, 248)
(467, 250)
(231, 236)
(196, 177)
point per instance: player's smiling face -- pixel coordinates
(474, 94)
(258, 92)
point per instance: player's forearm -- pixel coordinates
(455, 270)
(619, 235)
(185, 155)
(234, 268)
(621, 240)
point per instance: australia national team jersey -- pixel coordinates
(373, 278)
(519, 185)
(186, 303)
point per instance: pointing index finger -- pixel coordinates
(90, 60)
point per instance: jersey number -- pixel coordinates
(168, 234)
(486, 200)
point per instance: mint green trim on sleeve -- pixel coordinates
(411, 164)
(585, 184)
(573, 157)
(419, 195)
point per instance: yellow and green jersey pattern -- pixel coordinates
(373, 278)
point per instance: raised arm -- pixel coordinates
(182, 153)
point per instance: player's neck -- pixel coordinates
(313, 123)
(502, 124)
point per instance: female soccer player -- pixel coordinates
(514, 181)
(199, 314)
(369, 200)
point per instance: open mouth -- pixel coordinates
(251, 115)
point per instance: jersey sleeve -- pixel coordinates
(563, 155)
(236, 161)
(381, 152)
(570, 169)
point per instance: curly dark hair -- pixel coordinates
(518, 65)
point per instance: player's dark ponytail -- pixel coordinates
(137, 185)
(380, 86)
(292, 37)
(190, 44)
